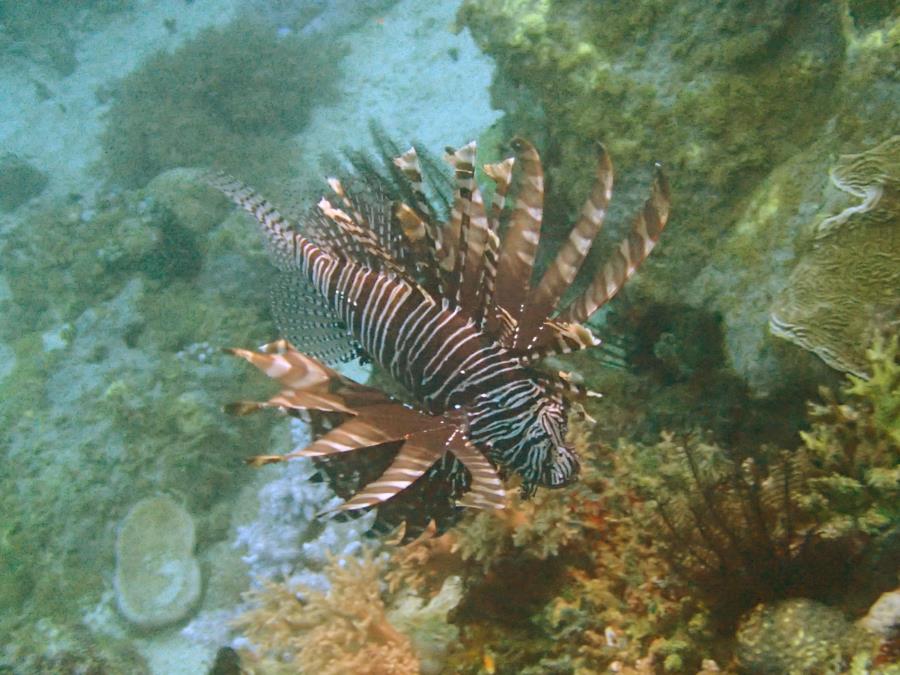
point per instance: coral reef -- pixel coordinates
(343, 630)
(116, 388)
(199, 106)
(841, 292)
(677, 541)
(157, 577)
(744, 102)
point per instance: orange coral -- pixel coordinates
(342, 631)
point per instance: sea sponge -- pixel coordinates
(157, 577)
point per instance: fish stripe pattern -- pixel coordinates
(449, 312)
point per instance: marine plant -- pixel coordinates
(200, 105)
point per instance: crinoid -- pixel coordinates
(732, 528)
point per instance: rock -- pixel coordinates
(19, 182)
(794, 636)
(157, 577)
(883, 617)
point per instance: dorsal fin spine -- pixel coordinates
(289, 249)
(573, 251)
(632, 251)
(519, 246)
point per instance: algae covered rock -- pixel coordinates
(745, 104)
(795, 636)
(19, 182)
(157, 577)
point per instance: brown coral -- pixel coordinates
(345, 630)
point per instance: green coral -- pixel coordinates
(854, 447)
(229, 98)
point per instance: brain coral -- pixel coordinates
(157, 577)
(847, 285)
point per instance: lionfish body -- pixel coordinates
(449, 311)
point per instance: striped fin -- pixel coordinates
(376, 420)
(416, 220)
(456, 229)
(520, 243)
(501, 174)
(361, 234)
(421, 246)
(485, 490)
(408, 163)
(415, 457)
(310, 324)
(633, 250)
(556, 337)
(281, 237)
(354, 434)
(280, 361)
(561, 273)
(409, 166)
(469, 222)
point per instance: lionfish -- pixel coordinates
(451, 312)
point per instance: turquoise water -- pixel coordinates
(720, 522)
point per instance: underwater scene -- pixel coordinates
(387, 337)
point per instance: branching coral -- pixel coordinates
(538, 528)
(345, 630)
(853, 449)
